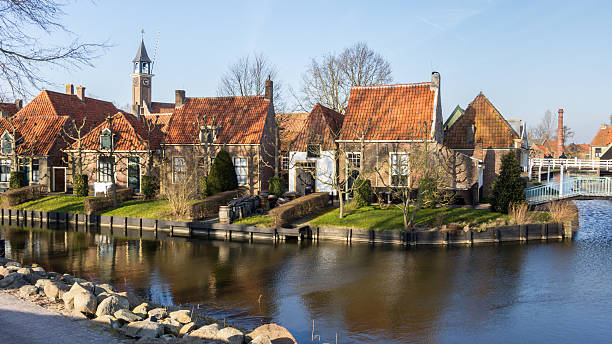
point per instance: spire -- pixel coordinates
(141, 55)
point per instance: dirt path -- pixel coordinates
(25, 322)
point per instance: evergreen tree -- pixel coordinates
(222, 176)
(509, 187)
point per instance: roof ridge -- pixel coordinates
(46, 93)
(394, 85)
(229, 97)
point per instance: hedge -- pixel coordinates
(81, 187)
(210, 205)
(95, 204)
(27, 193)
(17, 180)
(299, 207)
(150, 186)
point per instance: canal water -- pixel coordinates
(551, 292)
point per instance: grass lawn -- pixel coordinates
(255, 220)
(373, 217)
(147, 209)
(60, 203)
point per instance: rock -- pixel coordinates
(40, 284)
(276, 333)
(4, 271)
(167, 338)
(171, 326)
(85, 302)
(181, 316)
(66, 278)
(132, 298)
(127, 316)
(29, 275)
(159, 313)
(27, 290)
(13, 281)
(142, 309)
(108, 320)
(144, 329)
(261, 339)
(110, 305)
(104, 287)
(230, 335)
(54, 289)
(101, 296)
(13, 263)
(187, 328)
(13, 268)
(39, 270)
(205, 332)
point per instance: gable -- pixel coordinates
(322, 127)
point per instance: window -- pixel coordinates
(35, 170)
(313, 150)
(285, 161)
(106, 169)
(208, 134)
(597, 151)
(134, 173)
(7, 144)
(179, 168)
(354, 160)
(400, 169)
(240, 164)
(5, 170)
(106, 139)
(24, 166)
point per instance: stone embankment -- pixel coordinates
(123, 312)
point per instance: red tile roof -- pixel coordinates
(157, 107)
(322, 126)
(240, 120)
(603, 137)
(49, 103)
(10, 108)
(395, 112)
(491, 127)
(130, 134)
(159, 120)
(37, 136)
(289, 125)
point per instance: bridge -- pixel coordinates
(540, 166)
(570, 187)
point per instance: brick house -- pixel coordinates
(312, 162)
(125, 145)
(383, 124)
(9, 109)
(40, 126)
(289, 125)
(601, 142)
(482, 133)
(242, 125)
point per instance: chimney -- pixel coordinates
(269, 89)
(435, 80)
(80, 93)
(4, 114)
(19, 104)
(560, 138)
(179, 98)
(69, 89)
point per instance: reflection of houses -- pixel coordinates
(601, 142)
(289, 125)
(312, 163)
(483, 133)
(123, 145)
(40, 127)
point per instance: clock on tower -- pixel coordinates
(141, 80)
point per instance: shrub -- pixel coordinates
(519, 213)
(210, 205)
(27, 193)
(17, 180)
(509, 187)
(299, 207)
(150, 186)
(362, 193)
(562, 211)
(276, 186)
(428, 193)
(81, 187)
(203, 187)
(222, 176)
(99, 203)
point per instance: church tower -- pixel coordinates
(141, 81)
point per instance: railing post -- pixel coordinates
(561, 183)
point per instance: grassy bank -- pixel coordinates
(255, 220)
(59, 203)
(373, 217)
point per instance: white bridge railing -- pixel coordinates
(570, 187)
(548, 165)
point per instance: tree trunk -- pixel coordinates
(276, 157)
(341, 201)
(406, 223)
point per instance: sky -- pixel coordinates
(525, 56)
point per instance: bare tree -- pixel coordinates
(73, 135)
(22, 56)
(328, 81)
(546, 130)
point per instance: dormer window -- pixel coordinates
(7, 144)
(106, 139)
(208, 134)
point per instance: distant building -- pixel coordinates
(9, 109)
(289, 126)
(601, 142)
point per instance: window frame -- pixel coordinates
(311, 148)
(7, 139)
(178, 175)
(245, 167)
(405, 169)
(5, 170)
(106, 174)
(103, 134)
(35, 172)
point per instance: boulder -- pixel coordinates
(66, 278)
(230, 335)
(13, 281)
(101, 296)
(110, 305)
(13, 264)
(181, 316)
(104, 287)
(276, 333)
(261, 339)
(55, 289)
(171, 326)
(144, 329)
(108, 320)
(85, 302)
(39, 270)
(27, 290)
(159, 313)
(127, 316)
(40, 284)
(142, 309)
(132, 298)
(29, 275)
(205, 332)
(4, 271)
(187, 328)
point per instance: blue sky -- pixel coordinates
(526, 57)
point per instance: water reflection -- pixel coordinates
(537, 292)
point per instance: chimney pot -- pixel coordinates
(435, 80)
(80, 93)
(19, 104)
(269, 89)
(69, 89)
(179, 98)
